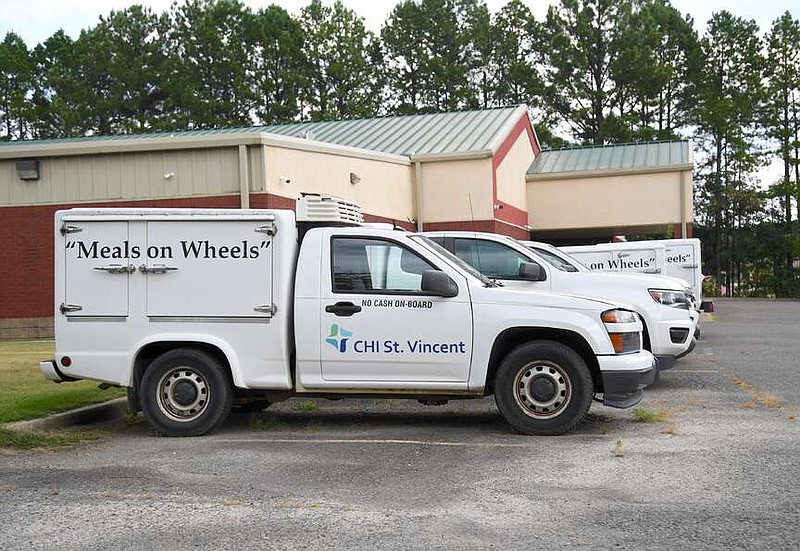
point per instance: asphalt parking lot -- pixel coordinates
(720, 470)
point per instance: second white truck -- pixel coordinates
(195, 311)
(663, 304)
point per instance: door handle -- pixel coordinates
(156, 269)
(343, 309)
(117, 269)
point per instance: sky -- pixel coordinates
(36, 20)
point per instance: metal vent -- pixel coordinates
(323, 208)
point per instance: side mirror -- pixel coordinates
(438, 283)
(531, 271)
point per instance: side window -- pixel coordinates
(490, 258)
(364, 265)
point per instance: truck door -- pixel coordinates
(97, 267)
(208, 269)
(379, 327)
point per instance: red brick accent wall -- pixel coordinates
(26, 251)
(26, 247)
(676, 231)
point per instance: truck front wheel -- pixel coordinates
(543, 387)
(185, 392)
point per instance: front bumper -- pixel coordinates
(625, 377)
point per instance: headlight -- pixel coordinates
(619, 316)
(622, 338)
(676, 299)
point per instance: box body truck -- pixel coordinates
(198, 310)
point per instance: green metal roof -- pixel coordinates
(458, 132)
(434, 133)
(611, 158)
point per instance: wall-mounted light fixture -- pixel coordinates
(354, 178)
(28, 169)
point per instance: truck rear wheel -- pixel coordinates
(543, 387)
(185, 392)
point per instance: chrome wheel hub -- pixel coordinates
(542, 389)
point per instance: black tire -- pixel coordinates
(543, 388)
(186, 392)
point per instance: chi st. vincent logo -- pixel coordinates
(338, 337)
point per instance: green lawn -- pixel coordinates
(26, 394)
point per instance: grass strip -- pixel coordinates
(28, 395)
(29, 440)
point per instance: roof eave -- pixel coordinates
(452, 156)
(179, 142)
(532, 177)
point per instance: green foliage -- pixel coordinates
(341, 81)
(430, 54)
(580, 42)
(508, 71)
(646, 415)
(16, 81)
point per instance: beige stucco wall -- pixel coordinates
(511, 187)
(385, 189)
(609, 201)
(448, 187)
(121, 176)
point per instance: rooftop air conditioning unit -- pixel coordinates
(323, 208)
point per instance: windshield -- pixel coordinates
(560, 260)
(555, 260)
(453, 259)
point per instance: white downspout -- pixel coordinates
(244, 177)
(418, 181)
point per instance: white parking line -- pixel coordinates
(694, 370)
(367, 441)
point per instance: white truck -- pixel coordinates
(678, 258)
(663, 304)
(197, 310)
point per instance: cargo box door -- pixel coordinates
(97, 268)
(209, 268)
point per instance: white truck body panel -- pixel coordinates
(180, 283)
(678, 258)
(633, 258)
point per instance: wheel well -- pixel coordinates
(151, 351)
(646, 337)
(511, 338)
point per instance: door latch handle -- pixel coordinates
(66, 308)
(156, 269)
(117, 268)
(345, 309)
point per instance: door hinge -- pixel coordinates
(269, 228)
(270, 309)
(66, 308)
(68, 228)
